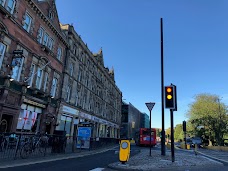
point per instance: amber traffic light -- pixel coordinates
(170, 97)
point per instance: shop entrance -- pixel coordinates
(6, 123)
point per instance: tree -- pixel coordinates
(178, 132)
(208, 117)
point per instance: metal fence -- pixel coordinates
(24, 145)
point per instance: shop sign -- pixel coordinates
(85, 115)
(34, 103)
(70, 110)
(96, 119)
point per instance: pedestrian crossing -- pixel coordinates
(97, 169)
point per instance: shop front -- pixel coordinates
(30, 116)
(67, 119)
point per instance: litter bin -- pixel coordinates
(188, 146)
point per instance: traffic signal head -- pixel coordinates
(184, 126)
(170, 97)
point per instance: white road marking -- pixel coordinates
(97, 169)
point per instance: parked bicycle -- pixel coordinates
(34, 144)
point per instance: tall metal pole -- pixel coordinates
(162, 95)
(172, 136)
(150, 132)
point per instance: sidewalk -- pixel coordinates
(55, 157)
(184, 160)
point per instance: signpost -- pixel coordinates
(150, 106)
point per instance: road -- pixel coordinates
(87, 163)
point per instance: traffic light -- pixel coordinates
(170, 97)
(184, 126)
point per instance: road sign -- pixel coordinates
(150, 105)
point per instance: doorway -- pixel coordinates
(6, 123)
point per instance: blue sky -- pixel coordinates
(195, 47)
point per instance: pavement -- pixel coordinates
(186, 160)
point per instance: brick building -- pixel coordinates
(32, 55)
(49, 79)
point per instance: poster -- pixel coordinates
(83, 138)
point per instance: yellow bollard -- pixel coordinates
(124, 153)
(188, 146)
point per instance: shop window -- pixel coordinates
(65, 124)
(28, 120)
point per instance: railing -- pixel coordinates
(24, 145)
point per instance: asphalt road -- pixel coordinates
(78, 164)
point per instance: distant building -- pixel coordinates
(144, 121)
(130, 121)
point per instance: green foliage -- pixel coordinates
(178, 132)
(208, 117)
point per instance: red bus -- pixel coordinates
(142, 137)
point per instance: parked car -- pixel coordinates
(197, 141)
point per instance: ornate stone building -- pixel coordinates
(32, 55)
(89, 92)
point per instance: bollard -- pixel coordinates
(195, 150)
(124, 151)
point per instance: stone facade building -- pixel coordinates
(89, 93)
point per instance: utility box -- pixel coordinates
(124, 153)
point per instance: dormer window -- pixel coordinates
(51, 15)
